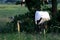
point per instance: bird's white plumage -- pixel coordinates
(42, 14)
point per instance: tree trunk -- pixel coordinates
(54, 7)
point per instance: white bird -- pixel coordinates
(42, 14)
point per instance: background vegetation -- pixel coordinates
(7, 11)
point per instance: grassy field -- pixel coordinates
(11, 10)
(7, 11)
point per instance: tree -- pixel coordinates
(54, 7)
(32, 5)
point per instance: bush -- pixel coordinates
(26, 22)
(54, 23)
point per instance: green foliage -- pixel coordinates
(54, 23)
(27, 21)
(33, 5)
(12, 10)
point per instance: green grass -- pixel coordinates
(25, 36)
(7, 11)
(50, 36)
(11, 10)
